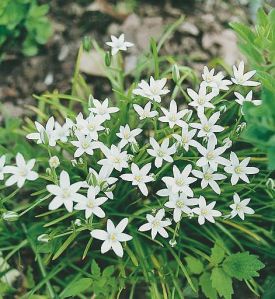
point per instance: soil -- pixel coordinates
(204, 35)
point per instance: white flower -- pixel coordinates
(112, 237)
(91, 204)
(207, 127)
(208, 177)
(215, 81)
(8, 274)
(54, 162)
(161, 152)
(65, 193)
(242, 78)
(127, 136)
(156, 224)
(210, 155)
(239, 170)
(2, 167)
(84, 144)
(61, 132)
(173, 117)
(103, 179)
(240, 207)
(92, 125)
(186, 138)
(46, 134)
(205, 211)
(103, 109)
(248, 98)
(139, 177)
(115, 158)
(180, 181)
(201, 100)
(180, 203)
(119, 44)
(21, 172)
(145, 112)
(154, 91)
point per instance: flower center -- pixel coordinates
(154, 90)
(113, 237)
(66, 193)
(184, 139)
(91, 127)
(85, 144)
(201, 100)
(204, 212)
(155, 223)
(126, 135)
(238, 169)
(161, 153)
(238, 207)
(22, 172)
(180, 182)
(138, 178)
(90, 204)
(117, 160)
(180, 204)
(210, 155)
(207, 128)
(208, 176)
(173, 117)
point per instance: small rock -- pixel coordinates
(189, 28)
(49, 79)
(64, 51)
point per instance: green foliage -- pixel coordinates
(23, 25)
(77, 287)
(217, 277)
(258, 46)
(242, 265)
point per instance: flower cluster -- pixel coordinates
(184, 153)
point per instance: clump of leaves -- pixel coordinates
(258, 46)
(216, 277)
(23, 25)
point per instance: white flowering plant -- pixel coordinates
(150, 190)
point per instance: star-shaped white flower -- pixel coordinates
(242, 78)
(65, 193)
(240, 207)
(21, 172)
(156, 224)
(248, 98)
(127, 135)
(173, 117)
(84, 144)
(186, 138)
(44, 135)
(139, 177)
(91, 204)
(61, 132)
(215, 81)
(103, 180)
(239, 170)
(212, 156)
(180, 203)
(145, 112)
(161, 152)
(201, 100)
(92, 125)
(152, 91)
(115, 158)
(119, 44)
(180, 181)
(207, 127)
(103, 109)
(112, 237)
(206, 211)
(2, 167)
(208, 177)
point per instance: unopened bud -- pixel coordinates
(87, 43)
(44, 238)
(108, 58)
(54, 162)
(134, 147)
(270, 183)
(173, 242)
(10, 216)
(175, 73)
(77, 222)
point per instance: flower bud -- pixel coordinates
(87, 43)
(108, 59)
(10, 216)
(270, 183)
(44, 238)
(227, 142)
(241, 127)
(54, 162)
(175, 73)
(77, 222)
(223, 108)
(134, 147)
(173, 242)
